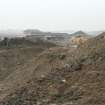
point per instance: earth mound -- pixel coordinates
(64, 76)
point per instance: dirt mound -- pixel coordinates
(64, 76)
(80, 33)
(15, 61)
(78, 40)
(18, 52)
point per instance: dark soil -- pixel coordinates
(65, 76)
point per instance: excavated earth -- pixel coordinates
(59, 76)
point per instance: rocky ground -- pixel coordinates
(59, 76)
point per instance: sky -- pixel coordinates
(52, 15)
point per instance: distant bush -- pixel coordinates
(22, 42)
(14, 42)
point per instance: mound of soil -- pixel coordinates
(64, 76)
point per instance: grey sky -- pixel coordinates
(53, 14)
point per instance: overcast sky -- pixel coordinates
(53, 15)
